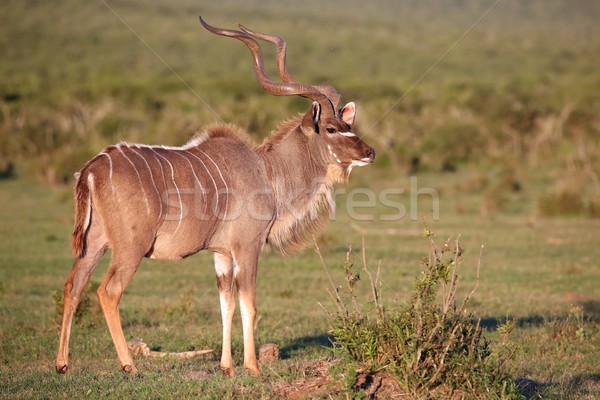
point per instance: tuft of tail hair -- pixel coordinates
(82, 214)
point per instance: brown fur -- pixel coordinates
(171, 202)
(289, 234)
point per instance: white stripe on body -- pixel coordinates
(162, 170)
(223, 179)
(211, 177)
(185, 148)
(152, 179)
(137, 173)
(175, 184)
(88, 211)
(110, 171)
(195, 176)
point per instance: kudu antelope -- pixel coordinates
(137, 200)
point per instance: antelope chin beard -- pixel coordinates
(359, 163)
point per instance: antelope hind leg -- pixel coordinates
(80, 275)
(121, 270)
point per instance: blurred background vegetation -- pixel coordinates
(517, 97)
(501, 117)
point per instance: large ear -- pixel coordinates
(348, 112)
(316, 114)
(310, 121)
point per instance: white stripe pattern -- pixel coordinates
(195, 177)
(175, 184)
(137, 173)
(151, 178)
(110, 172)
(211, 177)
(162, 172)
(180, 151)
(223, 179)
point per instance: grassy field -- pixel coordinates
(504, 128)
(533, 270)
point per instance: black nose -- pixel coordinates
(371, 154)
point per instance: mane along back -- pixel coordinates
(283, 129)
(229, 131)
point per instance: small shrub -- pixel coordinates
(430, 344)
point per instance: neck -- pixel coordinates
(301, 180)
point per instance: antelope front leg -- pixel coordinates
(224, 270)
(245, 277)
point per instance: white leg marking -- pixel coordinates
(151, 178)
(224, 183)
(176, 188)
(246, 317)
(236, 269)
(138, 175)
(222, 265)
(215, 209)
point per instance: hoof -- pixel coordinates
(130, 369)
(228, 371)
(62, 369)
(253, 371)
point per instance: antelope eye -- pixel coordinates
(331, 130)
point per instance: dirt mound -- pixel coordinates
(318, 382)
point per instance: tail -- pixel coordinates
(83, 213)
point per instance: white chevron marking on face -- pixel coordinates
(347, 134)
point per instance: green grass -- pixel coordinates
(512, 109)
(532, 270)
